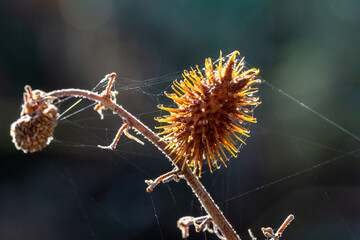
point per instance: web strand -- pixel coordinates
(313, 111)
(82, 191)
(156, 216)
(81, 205)
(331, 202)
(293, 175)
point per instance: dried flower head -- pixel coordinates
(34, 129)
(210, 110)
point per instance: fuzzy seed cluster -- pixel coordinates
(213, 108)
(34, 129)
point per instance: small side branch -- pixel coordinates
(286, 223)
(204, 223)
(124, 129)
(107, 95)
(167, 177)
(251, 235)
(269, 232)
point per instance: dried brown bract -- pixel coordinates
(34, 129)
(211, 110)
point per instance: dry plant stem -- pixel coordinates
(204, 223)
(251, 235)
(205, 199)
(200, 223)
(269, 233)
(112, 146)
(167, 177)
(284, 225)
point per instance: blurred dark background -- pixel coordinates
(73, 190)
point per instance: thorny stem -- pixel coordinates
(205, 199)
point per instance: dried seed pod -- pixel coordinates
(211, 109)
(34, 129)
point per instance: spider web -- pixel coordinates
(309, 176)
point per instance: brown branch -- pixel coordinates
(167, 177)
(286, 223)
(251, 235)
(269, 232)
(123, 129)
(205, 199)
(202, 223)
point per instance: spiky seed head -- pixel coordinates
(34, 129)
(212, 107)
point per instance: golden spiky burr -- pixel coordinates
(213, 106)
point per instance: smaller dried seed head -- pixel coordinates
(213, 107)
(34, 129)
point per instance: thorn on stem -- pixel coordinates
(124, 129)
(287, 221)
(167, 177)
(107, 94)
(269, 233)
(251, 235)
(203, 223)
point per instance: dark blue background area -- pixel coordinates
(309, 49)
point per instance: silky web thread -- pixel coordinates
(156, 216)
(82, 208)
(82, 191)
(325, 192)
(312, 110)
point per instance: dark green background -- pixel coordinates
(309, 49)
